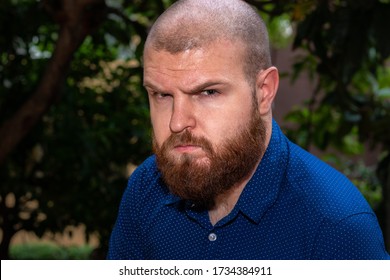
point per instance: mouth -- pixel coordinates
(187, 148)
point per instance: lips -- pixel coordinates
(185, 142)
(187, 147)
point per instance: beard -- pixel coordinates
(201, 181)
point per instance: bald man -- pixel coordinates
(224, 182)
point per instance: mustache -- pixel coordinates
(186, 138)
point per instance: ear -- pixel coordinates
(267, 82)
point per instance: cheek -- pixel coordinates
(229, 120)
(160, 129)
(224, 127)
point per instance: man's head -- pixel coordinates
(207, 72)
(190, 24)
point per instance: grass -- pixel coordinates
(49, 251)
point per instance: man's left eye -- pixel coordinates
(209, 92)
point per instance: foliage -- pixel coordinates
(49, 251)
(72, 167)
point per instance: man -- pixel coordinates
(224, 182)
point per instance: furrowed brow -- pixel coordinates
(198, 88)
(151, 86)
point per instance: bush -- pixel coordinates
(49, 251)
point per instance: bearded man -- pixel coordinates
(224, 182)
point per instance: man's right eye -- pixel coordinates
(163, 95)
(159, 95)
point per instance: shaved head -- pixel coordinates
(192, 24)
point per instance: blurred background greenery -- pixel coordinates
(74, 118)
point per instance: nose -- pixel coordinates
(183, 116)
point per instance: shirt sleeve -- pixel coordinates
(357, 237)
(125, 242)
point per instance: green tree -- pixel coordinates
(73, 114)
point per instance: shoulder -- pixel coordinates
(345, 224)
(126, 241)
(355, 237)
(144, 181)
(146, 169)
(323, 188)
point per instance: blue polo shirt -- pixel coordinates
(294, 207)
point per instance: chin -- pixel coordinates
(191, 159)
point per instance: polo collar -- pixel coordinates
(171, 199)
(262, 190)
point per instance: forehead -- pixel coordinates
(220, 60)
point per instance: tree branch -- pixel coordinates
(140, 29)
(77, 19)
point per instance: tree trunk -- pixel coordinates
(77, 19)
(7, 229)
(4, 245)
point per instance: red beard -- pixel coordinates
(201, 181)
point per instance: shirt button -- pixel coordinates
(212, 237)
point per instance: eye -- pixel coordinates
(209, 92)
(163, 95)
(159, 95)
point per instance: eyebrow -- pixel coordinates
(194, 90)
(202, 86)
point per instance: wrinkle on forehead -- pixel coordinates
(184, 59)
(193, 67)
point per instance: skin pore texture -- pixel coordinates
(210, 110)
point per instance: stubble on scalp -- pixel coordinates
(194, 24)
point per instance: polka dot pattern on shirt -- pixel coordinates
(294, 207)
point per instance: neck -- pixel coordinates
(224, 203)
